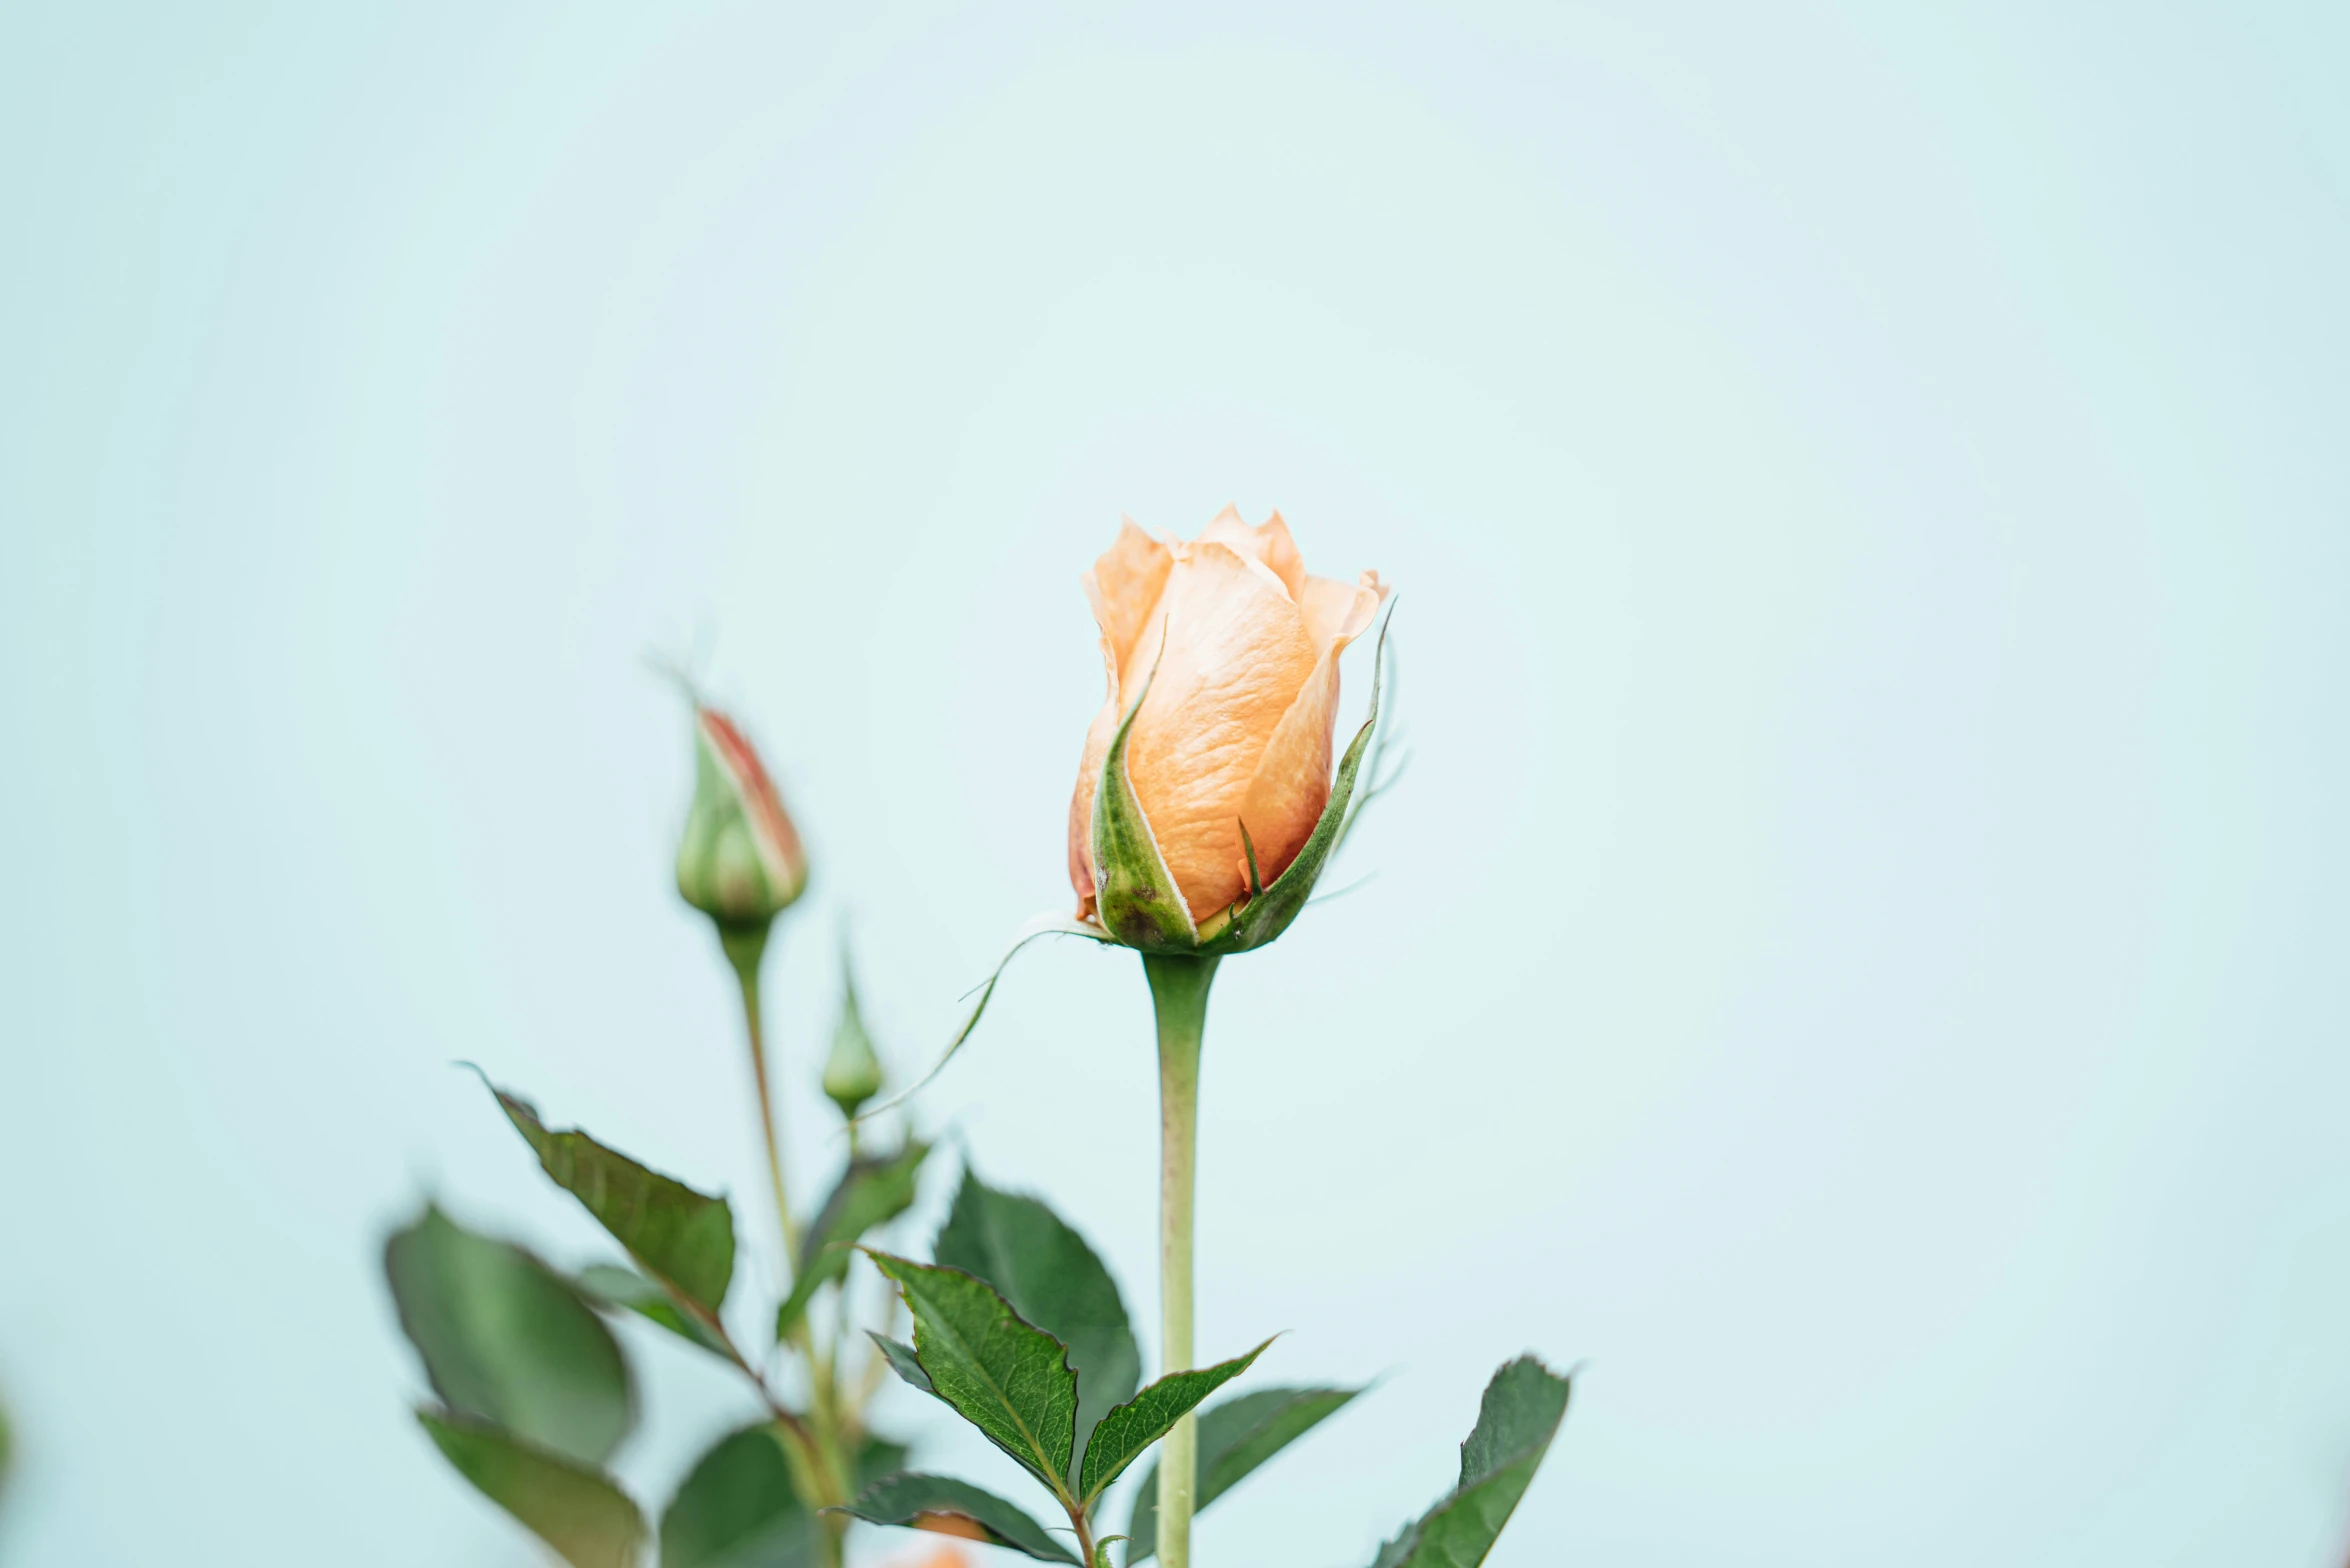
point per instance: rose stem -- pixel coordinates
(745, 947)
(1179, 998)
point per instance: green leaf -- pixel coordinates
(1006, 1377)
(950, 1507)
(621, 1289)
(1520, 1415)
(1053, 1280)
(901, 1360)
(1126, 1431)
(577, 1511)
(1261, 919)
(737, 1509)
(1135, 893)
(506, 1340)
(683, 1238)
(870, 1192)
(879, 1457)
(1234, 1438)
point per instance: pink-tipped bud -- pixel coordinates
(739, 861)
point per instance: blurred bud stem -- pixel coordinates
(746, 948)
(1179, 998)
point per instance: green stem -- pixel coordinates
(746, 946)
(826, 1469)
(1179, 998)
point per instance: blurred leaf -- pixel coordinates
(683, 1238)
(949, 1507)
(737, 1509)
(1234, 1438)
(1132, 1427)
(625, 1290)
(1007, 1378)
(1519, 1416)
(577, 1511)
(901, 1360)
(870, 1192)
(508, 1341)
(878, 1458)
(1053, 1280)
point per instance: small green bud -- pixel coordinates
(739, 860)
(852, 1073)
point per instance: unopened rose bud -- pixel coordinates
(852, 1073)
(1226, 762)
(739, 861)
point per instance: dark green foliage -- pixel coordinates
(622, 1289)
(575, 1510)
(951, 1507)
(737, 1509)
(1053, 1280)
(902, 1362)
(508, 1342)
(1131, 1428)
(682, 1238)
(1006, 1377)
(870, 1192)
(1519, 1416)
(1234, 1438)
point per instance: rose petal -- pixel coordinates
(1292, 782)
(1235, 658)
(1270, 546)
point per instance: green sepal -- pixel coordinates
(682, 1238)
(1006, 1377)
(1516, 1421)
(1050, 923)
(951, 1507)
(508, 1342)
(574, 1509)
(1052, 1279)
(619, 1288)
(737, 1508)
(870, 1192)
(1255, 921)
(1130, 1429)
(1234, 1438)
(1134, 892)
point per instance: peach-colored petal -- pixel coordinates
(1340, 612)
(1236, 654)
(1270, 546)
(1292, 782)
(1124, 587)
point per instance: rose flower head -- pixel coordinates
(739, 860)
(1205, 805)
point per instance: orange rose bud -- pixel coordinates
(739, 860)
(1226, 761)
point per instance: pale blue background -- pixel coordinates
(1859, 956)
